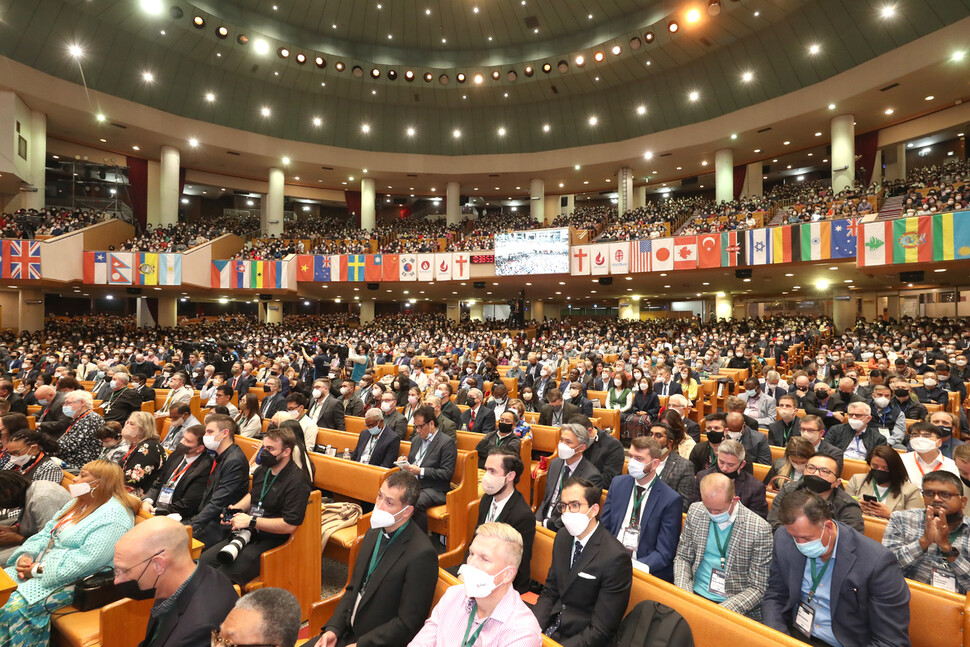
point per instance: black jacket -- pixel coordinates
(123, 404)
(484, 420)
(203, 604)
(227, 484)
(439, 462)
(517, 514)
(384, 453)
(51, 420)
(606, 455)
(584, 469)
(331, 414)
(777, 429)
(189, 489)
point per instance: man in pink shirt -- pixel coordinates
(485, 610)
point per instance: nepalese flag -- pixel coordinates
(21, 259)
(120, 267)
(408, 267)
(483, 259)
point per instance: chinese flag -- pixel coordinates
(391, 263)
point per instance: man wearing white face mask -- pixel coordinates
(485, 609)
(326, 412)
(377, 445)
(925, 440)
(392, 588)
(831, 583)
(724, 550)
(570, 462)
(588, 586)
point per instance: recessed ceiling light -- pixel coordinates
(888, 11)
(75, 50)
(501, 132)
(930, 98)
(410, 132)
(641, 110)
(545, 128)
(135, 148)
(365, 128)
(693, 15)
(261, 47)
(456, 134)
(148, 77)
(814, 49)
(285, 160)
(317, 121)
(958, 55)
(818, 134)
(757, 150)
(617, 50)
(786, 142)
(747, 77)
(152, 7)
(100, 118)
(694, 95)
(210, 97)
(734, 135)
(265, 111)
(593, 121)
(193, 142)
(889, 111)
(103, 140)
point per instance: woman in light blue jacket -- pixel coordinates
(79, 541)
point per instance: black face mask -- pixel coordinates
(731, 475)
(901, 393)
(505, 427)
(715, 437)
(881, 477)
(821, 394)
(267, 459)
(965, 481)
(130, 588)
(266, 388)
(816, 483)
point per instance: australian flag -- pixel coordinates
(843, 239)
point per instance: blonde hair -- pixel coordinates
(510, 537)
(144, 422)
(111, 485)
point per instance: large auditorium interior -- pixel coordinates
(566, 323)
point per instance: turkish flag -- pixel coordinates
(709, 250)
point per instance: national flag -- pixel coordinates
(875, 244)
(663, 254)
(119, 268)
(482, 259)
(96, 268)
(306, 267)
(620, 258)
(781, 246)
(641, 253)
(146, 269)
(758, 247)
(709, 251)
(951, 236)
(239, 275)
(579, 260)
(170, 269)
(220, 273)
(373, 267)
(408, 267)
(337, 271)
(442, 267)
(460, 266)
(320, 269)
(816, 240)
(265, 274)
(912, 240)
(685, 253)
(843, 238)
(390, 263)
(732, 249)
(426, 267)
(352, 266)
(599, 259)
(21, 259)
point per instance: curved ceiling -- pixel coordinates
(731, 61)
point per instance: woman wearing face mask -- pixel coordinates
(886, 488)
(374, 394)
(30, 453)
(620, 395)
(247, 418)
(688, 384)
(522, 428)
(78, 542)
(646, 406)
(412, 403)
(529, 400)
(145, 455)
(791, 466)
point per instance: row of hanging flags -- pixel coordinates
(388, 267)
(132, 268)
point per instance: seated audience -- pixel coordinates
(80, 445)
(432, 459)
(791, 466)
(377, 445)
(228, 480)
(821, 479)
(144, 458)
(182, 479)
(267, 616)
(886, 487)
(570, 461)
(36, 502)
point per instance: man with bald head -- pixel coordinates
(725, 549)
(153, 560)
(50, 419)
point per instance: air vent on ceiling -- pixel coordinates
(554, 89)
(705, 41)
(327, 168)
(532, 22)
(232, 153)
(889, 87)
(666, 154)
(123, 127)
(764, 130)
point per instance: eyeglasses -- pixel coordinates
(219, 641)
(929, 495)
(572, 506)
(124, 571)
(821, 471)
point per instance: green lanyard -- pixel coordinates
(638, 500)
(468, 642)
(816, 578)
(875, 491)
(378, 553)
(722, 548)
(788, 430)
(262, 494)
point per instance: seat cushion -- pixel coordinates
(76, 629)
(345, 536)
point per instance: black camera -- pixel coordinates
(228, 514)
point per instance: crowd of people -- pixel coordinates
(49, 221)
(945, 184)
(815, 200)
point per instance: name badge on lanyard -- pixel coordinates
(630, 537)
(165, 496)
(944, 579)
(805, 618)
(717, 584)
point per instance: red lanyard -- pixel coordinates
(178, 473)
(32, 465)
(60, 524)
(129, 453)
(920, 467)
(76, 420)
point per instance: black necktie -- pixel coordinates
(577, 551)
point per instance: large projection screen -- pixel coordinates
(537, 251)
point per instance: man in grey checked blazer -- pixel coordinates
(744, 568)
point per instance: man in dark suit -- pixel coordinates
(241, 382)
(570, 462)
(448, 408)
(445, 423)
(378, 444)
(588, 586)
(852, 443)
(155, 555)
(501, 437)
(326, 411)
(755, 443)
(575, 395)
(122, 401)
(51, 419)
(353, 406)
(392, 417)
(504, 503)
(146, 393)
(771, 388)
(812, 429)
(781, 431)
(731, 463)
(665, 384)
(228, 482)
(387, 601)
(432, 460)
(643, 512)
(861, 597)
(543, 384)
(605, 450)
(826, 405)
(274, 401)
(17, 404)
(479, 417)
(181, 483)
(674, 470)
(556, 412)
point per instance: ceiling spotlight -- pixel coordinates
(301, 58)
(340, 66)
(100, 118)
(599, 56)
(243, 39)
(456, 134)
(814, 49)
(673, 26)
(222, 32)
(747, 77)
(285, 160)
(265, 111)
(392, 75)
(888, 11)
(889, 111)
(529, 70)
(694, 95)
(410, 132)
(580, 61)
(562, 66)
(713, 7)
(616, 50)
(957, 56)
(375, 73)
(930, 98)
(641, 110)
(409, 75)
(317, 121)
(199, 22)
(148, 77)
(261, 47)
(152, 7)
(460, 77)
(648, 155)
(593, 121)
(364, 128)
(693, 15)
(282, 51)
(496, 75)
(193, 142)
(648, 37)
(320, 61)
(443, 79)
(428, 77)
(501, 132)
(546, 67)
(545, 128)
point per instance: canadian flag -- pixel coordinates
(685, 253)
(599, 259)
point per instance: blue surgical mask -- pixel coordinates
(751, 393)
(67, 411)
(374, 431)
(722, 517)
(812, 549)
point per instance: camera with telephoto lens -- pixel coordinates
(231, 551)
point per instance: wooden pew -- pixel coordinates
(451, 519)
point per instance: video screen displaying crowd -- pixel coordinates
(878, 395)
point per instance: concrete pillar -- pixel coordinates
(454, 311)
(153, 215)
(366, 312)
(843, 311)
(629, 308)
(272, 206)
(877, 168)
(724, 306)
(476, 311)
(37, 160)
(640, 196)
(452, 204)
(167, 312)
(143, 315)
(537, 198)
(537, 310)
(724, 175)
(168, 187)
(569, 206)
(624, 190)
(754, 184)
(30, 316)
(368, 198)
(843, 152)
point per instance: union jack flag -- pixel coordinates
(21, 259)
